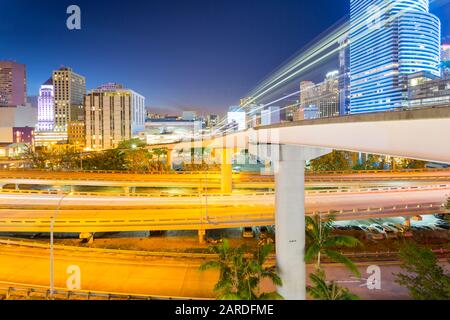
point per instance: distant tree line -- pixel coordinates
(344, 161)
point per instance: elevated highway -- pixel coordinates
(213, 180)
(31, 212)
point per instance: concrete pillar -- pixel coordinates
(202, 236)
(267, 171)
(87, 237)
(16, 187)
(226, 170)
(169, 159)
(290, 218)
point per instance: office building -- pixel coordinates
(46, 107)
(189, 115)
(445, 57)
(320, 100)
(426, 90)
(236, 119)
(69, 90)
(212, 120)
(113, 114)
(270, 115)
(389, 39)
(13, 84)
(344, 76)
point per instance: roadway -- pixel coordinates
(31, 212)
(212, 180)
(131, 273)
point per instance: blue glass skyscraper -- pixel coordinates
(389, 39)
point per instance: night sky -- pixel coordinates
(180, 54)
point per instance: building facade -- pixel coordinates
(344, 76)
(112, 115)
(270, 115)
(426, 90)
(46, 107)
(69, 91)
(320, 100)
(445, 57)
(13, 84)
(236, 119)
(389, 39)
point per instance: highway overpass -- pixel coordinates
(31, 211)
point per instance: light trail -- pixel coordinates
(289, 71)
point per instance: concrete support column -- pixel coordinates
(226, 170)
(290, 218)
(16, 187)
(87, 237)
(169, 159)
(202, 236)
(290, 226)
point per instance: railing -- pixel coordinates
(246, 194)
(28, 291)
(342, 172)
(254, 216)
(309, 173)
(137, 195)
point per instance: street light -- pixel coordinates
(52, 260)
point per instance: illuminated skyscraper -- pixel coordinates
(113, 114)
(70, 89)
(389, 39)
(13, 85)
(46, 107)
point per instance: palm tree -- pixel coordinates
(240, 275)
(321, 241)
(327, 290)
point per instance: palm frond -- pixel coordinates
(340, 258)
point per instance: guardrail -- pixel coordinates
(156, 173)
(308, 173)
(28, 291)
(247, 194)
(136, 195)
(262, 216)
(431, 170)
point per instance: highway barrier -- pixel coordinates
(27, 291)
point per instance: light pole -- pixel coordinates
(52, 260)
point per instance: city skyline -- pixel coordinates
(327, 179)
(166, 80)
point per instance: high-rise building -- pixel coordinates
(320, 100)
(308, 92)
(13, 84)
(69, 91)
(46, 107)
(328, 96)
(270, 115)
(344, 76)
(113, 114)
(212, 120)
(237, 119)
(445, 57)
(189, 115)
(389, 39)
